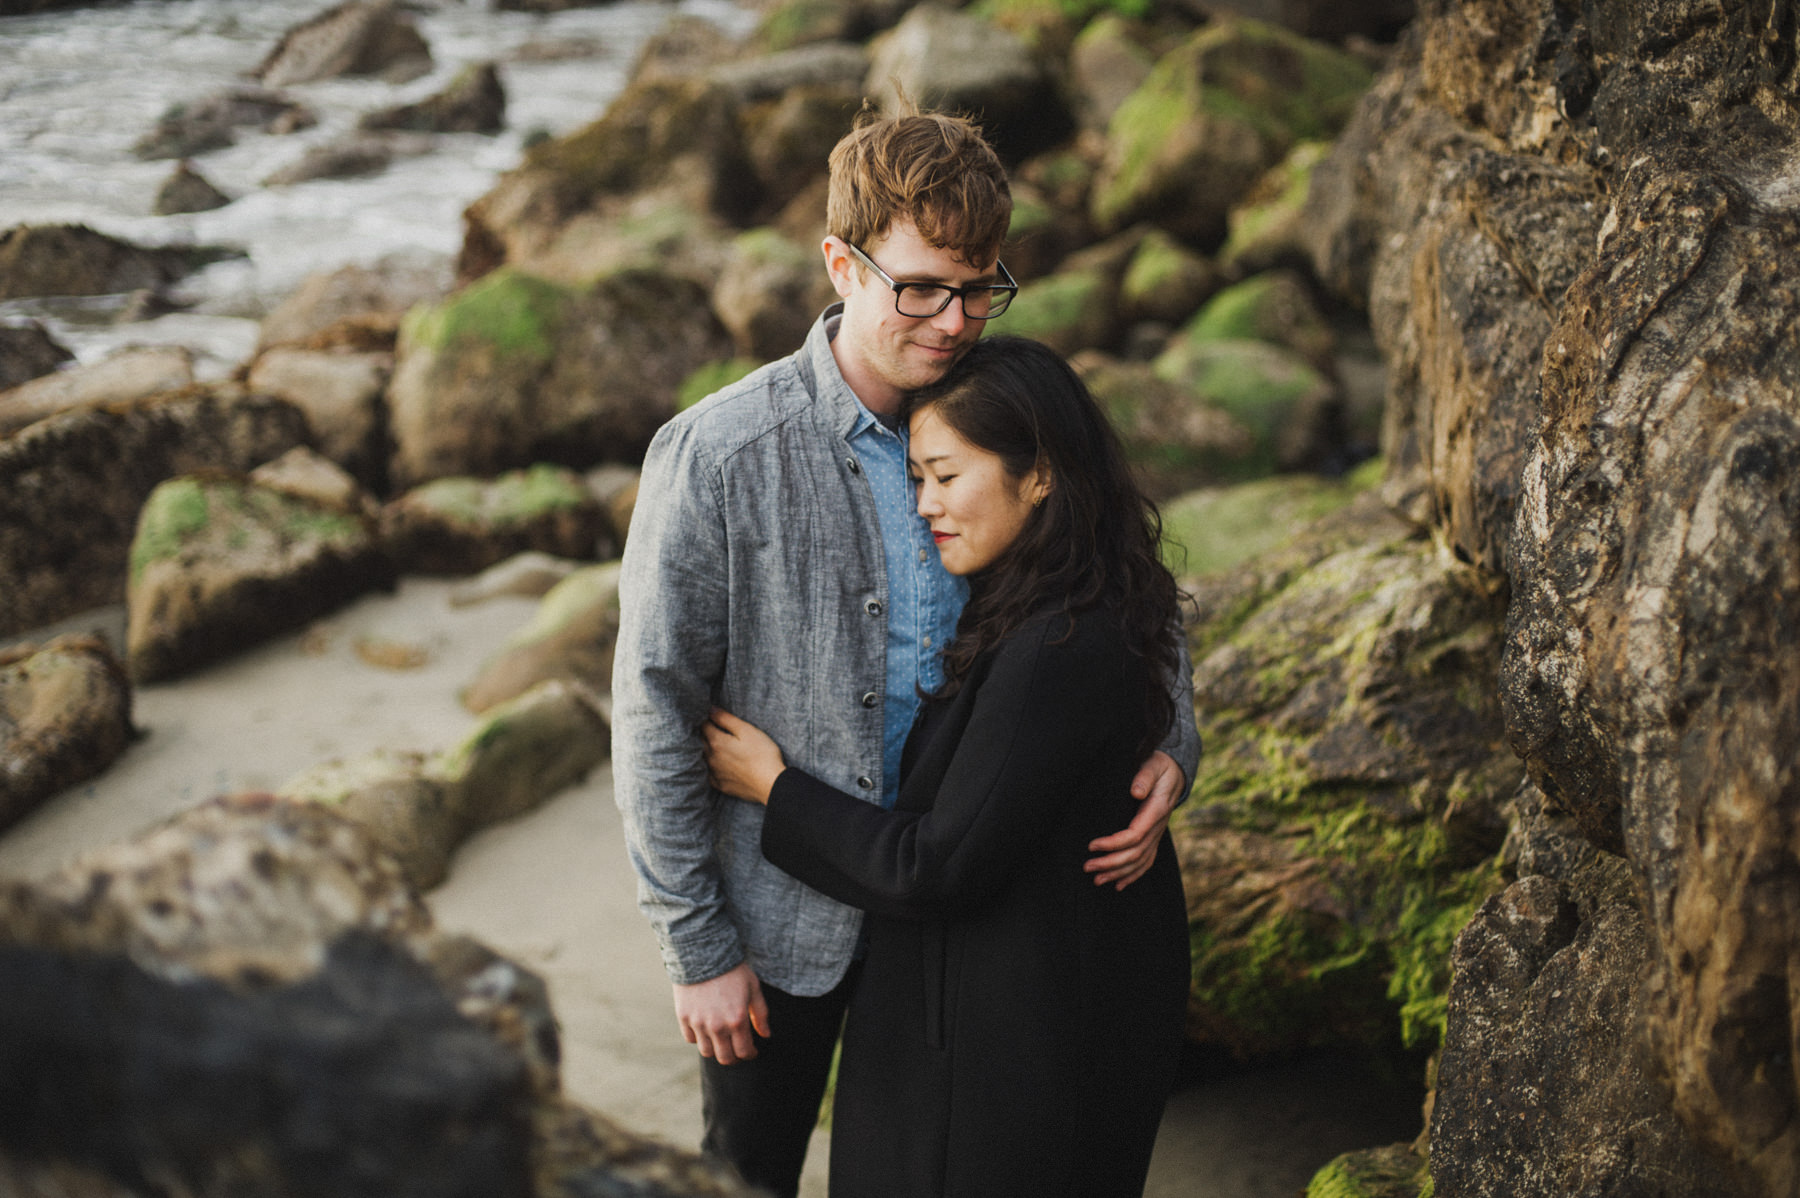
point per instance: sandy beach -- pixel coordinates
(553, 889)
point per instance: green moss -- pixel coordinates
(1028, 217)
(1392, 1172)
(713, 376)
(797, 22)
(1255, 381)
(1216, 529)
(514, 314)
(516, 495)
(568, 599)
(1248, 224)
(174, 512)
(1053, 305)
(1235, 313)
(1158, 261)
(1077, 11)
(763, 244)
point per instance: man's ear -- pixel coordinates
(839, 265)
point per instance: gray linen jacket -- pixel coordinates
(753, 578)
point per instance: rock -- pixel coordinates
(126, 374)
(1165, 281)
(770, 293)
(1216, 528)
(304, 474)
(1175, 439)
(71, 487)
(1267, 228)
(786, 24)
(473, 102)
(1107, 62)
(945, 60)
(1049, 217)
(514, 370)
(662, 144)
(379, 294)
(1214, 115)
(189, 130)
(342, 394)
(835, 67)
(1276, 307)
(1077, 306)
(1395, 1171)
(1331, 20)
(1541, 1086)
(570, 638)
(531, 573)
(361, 37)
(1347, 816)
(40, 260)
(616, 488)
(789, 138)
(187, 190)
(28, 351)
(465, 525)
(220, 563)
(251, 990)
(421, 807)
(65, 715)
(1293, 412)
(351, 158)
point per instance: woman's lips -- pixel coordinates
(941, 537)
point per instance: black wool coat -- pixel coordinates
(1016, 1028)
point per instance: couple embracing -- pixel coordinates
(900, 713)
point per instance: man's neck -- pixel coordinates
(881, 398)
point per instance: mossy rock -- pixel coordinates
(220, 563)
(1265, 230)
(1175, 439)
(1215, 114)
(1070, 310)
(1287, 405)
(464, 525)
(570, 637)
(1275, 307)
(1395, 1171)
(1166, 281)
(1215, 529)
(506, 314)
(523, 751)
(1347, 818)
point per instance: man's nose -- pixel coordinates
(951, 320)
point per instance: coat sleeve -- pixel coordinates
(1183, 741)
(1039, 720)
(670, 655)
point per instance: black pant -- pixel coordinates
(760, 1113)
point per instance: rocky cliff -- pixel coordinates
(1569, 223)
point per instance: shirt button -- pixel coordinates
(870, 699)
(866, 782)
(854, 466)
(921, 555)
(873, 607)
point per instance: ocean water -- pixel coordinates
(78, 88)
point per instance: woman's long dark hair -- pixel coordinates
(1092, 541)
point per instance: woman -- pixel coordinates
(1015, 1028)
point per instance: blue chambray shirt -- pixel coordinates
(924, 599)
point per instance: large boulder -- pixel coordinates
(514, 370)
(571, 638)
(40, 260)
(663, 143)
(343, 393)
(131, 373)
(1176, 440)
(360, 37)
(420, 807)
(473, 102)
(1215, 114)
(945, 60)
(65, 715)
(186, 130)
(769, 294)
(463, 525)
(1293, 410)
(251, 991)
(71, 487)
(222, 562)
(1348, 815)
(28, 351)
(187, 190)
(374, 297)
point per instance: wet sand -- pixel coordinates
(554, 891)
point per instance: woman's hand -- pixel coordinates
(741, 758)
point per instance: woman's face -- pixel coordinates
(975, 508)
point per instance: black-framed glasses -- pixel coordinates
(980, 301)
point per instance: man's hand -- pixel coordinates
(1127, 855)
(719, 1014)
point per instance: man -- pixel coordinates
(776, 567)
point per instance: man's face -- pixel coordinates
(881, 353)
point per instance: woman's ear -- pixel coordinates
(1038, 485)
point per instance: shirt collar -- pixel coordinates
(846, 413)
